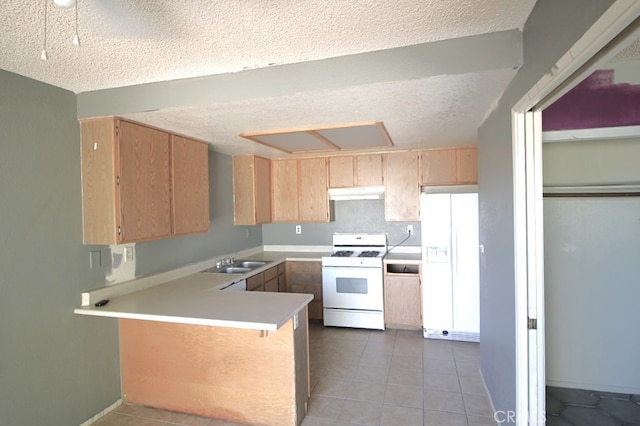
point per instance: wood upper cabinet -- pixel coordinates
(128, 183)
(449, 166)
(402, 192)
(251, 190)
(356, 170)
(299, 190)
(284, 190)
(313, 197)
(341, 174)
(190, 185)
(467, 165)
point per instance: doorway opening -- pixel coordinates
(534, 243)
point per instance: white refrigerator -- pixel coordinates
(450, 276)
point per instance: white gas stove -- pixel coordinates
(352, 292)
(365, 250)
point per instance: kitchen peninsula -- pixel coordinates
(186, 346)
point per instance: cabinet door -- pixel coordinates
(402, 192)
(306, 277)
(251, 190)
(190, 189)
(282, 278)
(467, 165)
(438, 167)
(341, 172)
(262, 185)
(402, 301)
(368, 170)
(271, 285)
(284, 190)
(256, 282)
(100, 220)
(145, 183)
(313, 200)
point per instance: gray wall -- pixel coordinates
(550, 31)
(56, 368)
(348, 216)
(223, 237)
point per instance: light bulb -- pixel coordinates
(44, 55)
(76, 40)
(65, 3)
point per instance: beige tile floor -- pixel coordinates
(364, 377)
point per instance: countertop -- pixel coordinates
(189, 296)
(195, 298)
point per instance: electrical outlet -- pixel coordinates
(410, 229)
(128, 254)
(298, 229)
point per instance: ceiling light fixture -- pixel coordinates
(65, 3)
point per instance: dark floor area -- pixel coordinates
(587, 407)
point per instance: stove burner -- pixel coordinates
(342, 253)
(370, 253)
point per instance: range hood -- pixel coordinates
(358, 193)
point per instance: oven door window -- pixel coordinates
(351, 285)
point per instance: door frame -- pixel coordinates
(576, 64)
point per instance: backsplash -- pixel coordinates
(366, 216)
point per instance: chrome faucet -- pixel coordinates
(226, 262)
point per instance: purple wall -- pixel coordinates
(596, 102)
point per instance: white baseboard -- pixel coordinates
(594, 386)
(102, 413)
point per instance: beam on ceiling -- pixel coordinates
(492, 51)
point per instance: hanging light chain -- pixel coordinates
(44, 55)
(76, 37)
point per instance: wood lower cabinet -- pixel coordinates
(271, 279)
(131, 176)
(242, 376)
(402, 192)
(402, 298)
(256, 282)
(448, 166)
(251, 190)
(306, 277)
(282, 277)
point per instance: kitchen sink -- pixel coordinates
(240, 267)
(252, 264)
(232, 270)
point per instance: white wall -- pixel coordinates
(550, 31)
(592, 289)
(591, 268)
(591, 162)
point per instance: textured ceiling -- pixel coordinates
(131, 42)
